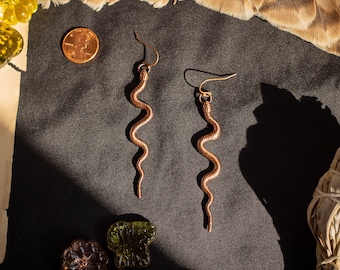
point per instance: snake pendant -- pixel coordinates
(214, 135)
(205, 99)
(144, 75)
(143, 70)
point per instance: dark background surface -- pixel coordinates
(73, 172)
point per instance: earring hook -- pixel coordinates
(150, 47)
(209, 94)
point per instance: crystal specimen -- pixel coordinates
(130, 242)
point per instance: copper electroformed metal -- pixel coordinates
(80, 45)
(205, 98)
(214, 135)
(143, 70)
(144, 75)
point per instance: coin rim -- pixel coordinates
(80, 61)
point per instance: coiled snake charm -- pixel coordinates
(205, 99)
(214, 135)
(144, 75)
(143, 70)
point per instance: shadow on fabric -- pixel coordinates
(287, 151)
(48, 211)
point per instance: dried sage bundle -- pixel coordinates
(323, 215)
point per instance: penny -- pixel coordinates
(80, 45)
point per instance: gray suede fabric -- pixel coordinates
(74, 174)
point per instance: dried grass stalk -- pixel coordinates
(323, 217)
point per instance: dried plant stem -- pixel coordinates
(323, 217)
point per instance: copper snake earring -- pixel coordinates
(205, 99)
(143, 70)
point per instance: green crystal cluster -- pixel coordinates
(130, 242)
(11, 43)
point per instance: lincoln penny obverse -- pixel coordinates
(80, 45)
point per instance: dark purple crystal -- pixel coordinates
(84, 255)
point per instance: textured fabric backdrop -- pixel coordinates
(73, 172)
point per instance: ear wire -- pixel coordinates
(151, 48)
